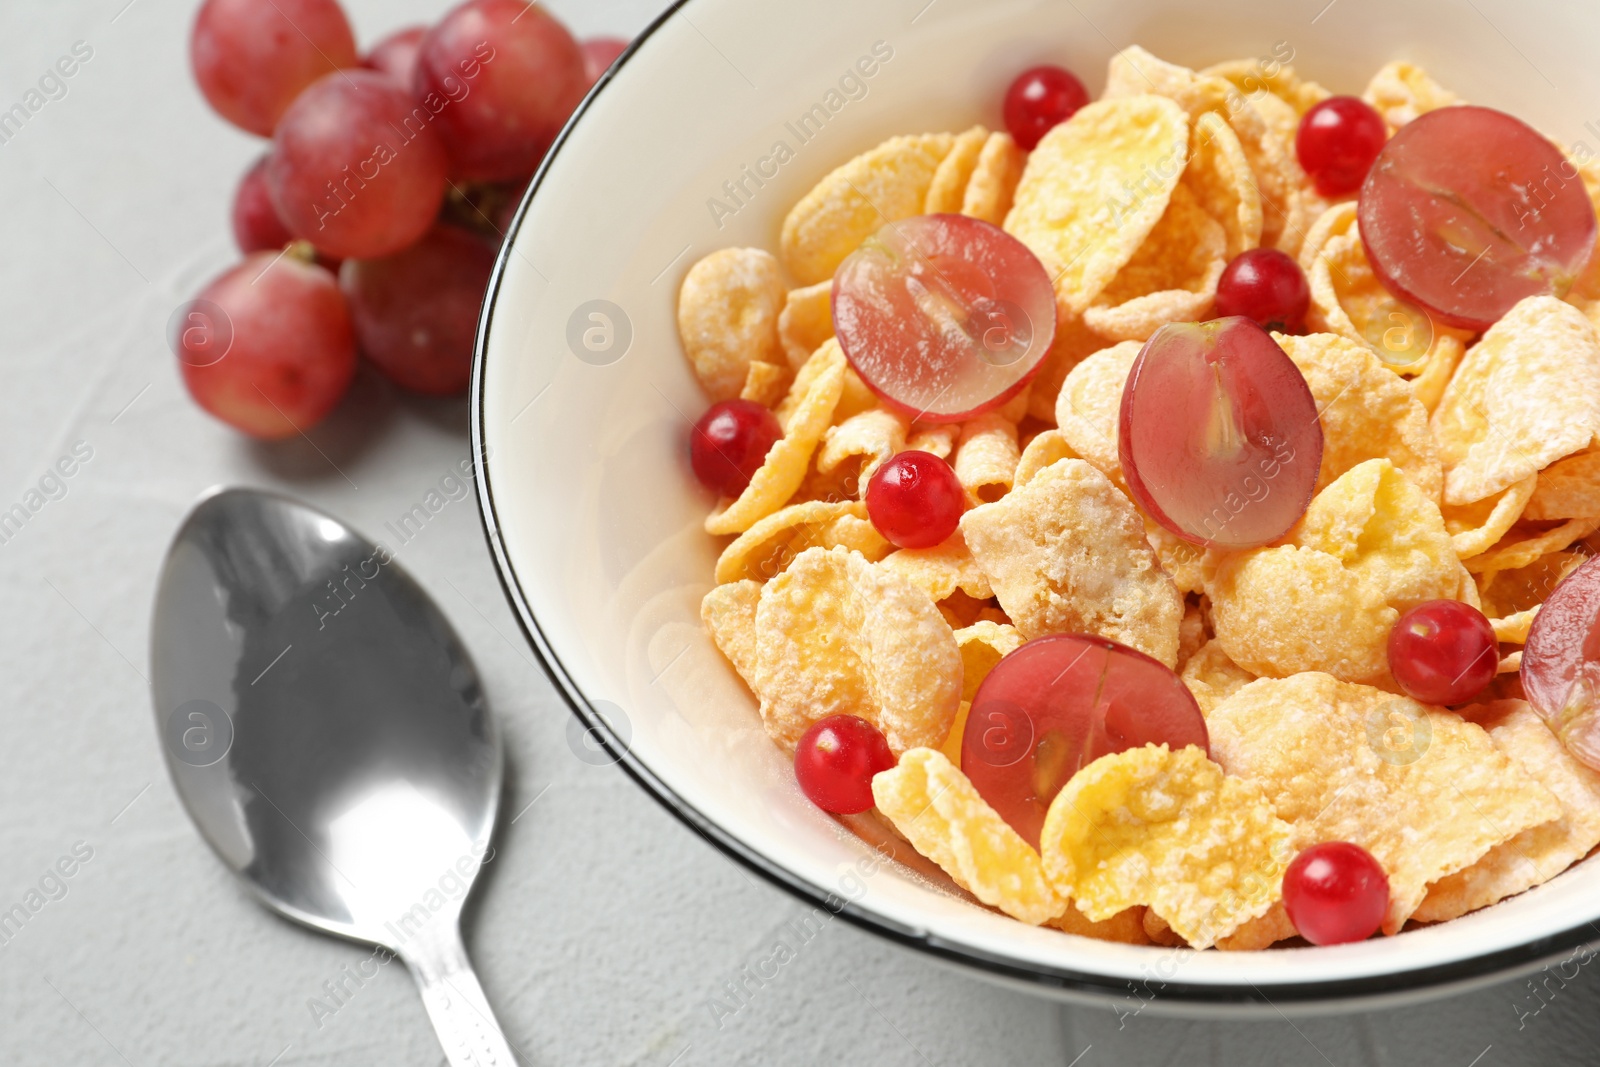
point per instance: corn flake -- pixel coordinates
(935, 440)
(729, 612)
(1512, 553)
(1171, 278)
(993, 184)
(1365, 411)
(986, 459)
(1526, 395)
(1094, 188)
(1125, 927)
(1401, 91)
(1252, 77)
(854, 201)
(1073, 342)
(810, 405)
(1212, 677)
(765, 383)
(949, 185)
(983, 644)
(869, 439)
(937, 809)
(1508, 592)
(768, 546)
(1166, 829)
(941, 570)
(728, 310)
(1370, 547)
(1067, 553)
(1476, 527)
(1219, 176)
(1046, 447)
(1090, 404)
(1567, 489)
(839, 635)
(806, 321)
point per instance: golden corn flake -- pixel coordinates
(1212, 677)
(765, 383)
(865, 441)
(1125, 927)
(1255, 76)
(810, 405)
(1191, 634)
(937, 809)
(1401, 91)
(1166, 829)
(941, 570)
(1094, 188)
(1046, 447)
(1219, 176)
(1073, 343)
(1508, 592)
(1519, 550)
(728, 311)
(986, 459)
(1365, 411)
(1370, 547)
(1185, 563)
(1066, 553)
(1567, 489)
(1513, 629)
(1089, 406)
(1134, 71)
(856, 200)
(983, 644)
(839, 635)
(768, 546)
(1444, 356)
(1476, 527)
(1266, 127)
(806, 321)
(949, 184)
(958, 730)
(993, 184)
(1424, 791)
(1526, 395)
(1171, 278)
(1538, 854)
(935, 440)
(729, 612)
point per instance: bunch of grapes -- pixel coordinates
(371, 222)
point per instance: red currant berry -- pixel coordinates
(1335, 892)
(728, 444)
(1337, 142)
(1266, 285)
(915, 500)
(835, 762)
(1039, 99)
(1443, 652)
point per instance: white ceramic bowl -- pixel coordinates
(593, 517)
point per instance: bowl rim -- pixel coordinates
(1061, 981)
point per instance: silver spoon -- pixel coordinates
(328, 735)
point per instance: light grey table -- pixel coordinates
(604, 930)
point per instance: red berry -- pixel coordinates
(1039, 99)
(835, 761)
(256, 225)
(1443, 652)
(915, 500)
(728, 444)
(396, 54)
(1335, 892)
(1337, 142)
(1266, 285)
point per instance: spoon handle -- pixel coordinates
(456, 1005)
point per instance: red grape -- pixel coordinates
(598, 55)
(1265, 285)
(1039, 99)
(256, 225)
(1561, 663)
(396, 54)
(915, 500)
(1059, 703)
(507, 76)
(1335, 892)
(729, 443)
(356, 168)
(1469, 210)
(253, 57)
(1337, 141)
(416, 312)
(288, 351)
(835, 761)
(1443, 652)
(944, 316)
(1219, 438)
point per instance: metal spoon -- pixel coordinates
(328, 735)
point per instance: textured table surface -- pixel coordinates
(604, 930)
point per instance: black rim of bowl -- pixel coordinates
(1418, 983)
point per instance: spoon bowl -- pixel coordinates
(327, 733)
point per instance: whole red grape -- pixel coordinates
(256, 225)
(396, 54)
(356, 167)
(267, 347)
(253, 57)
(416, 312)
(501, 78)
